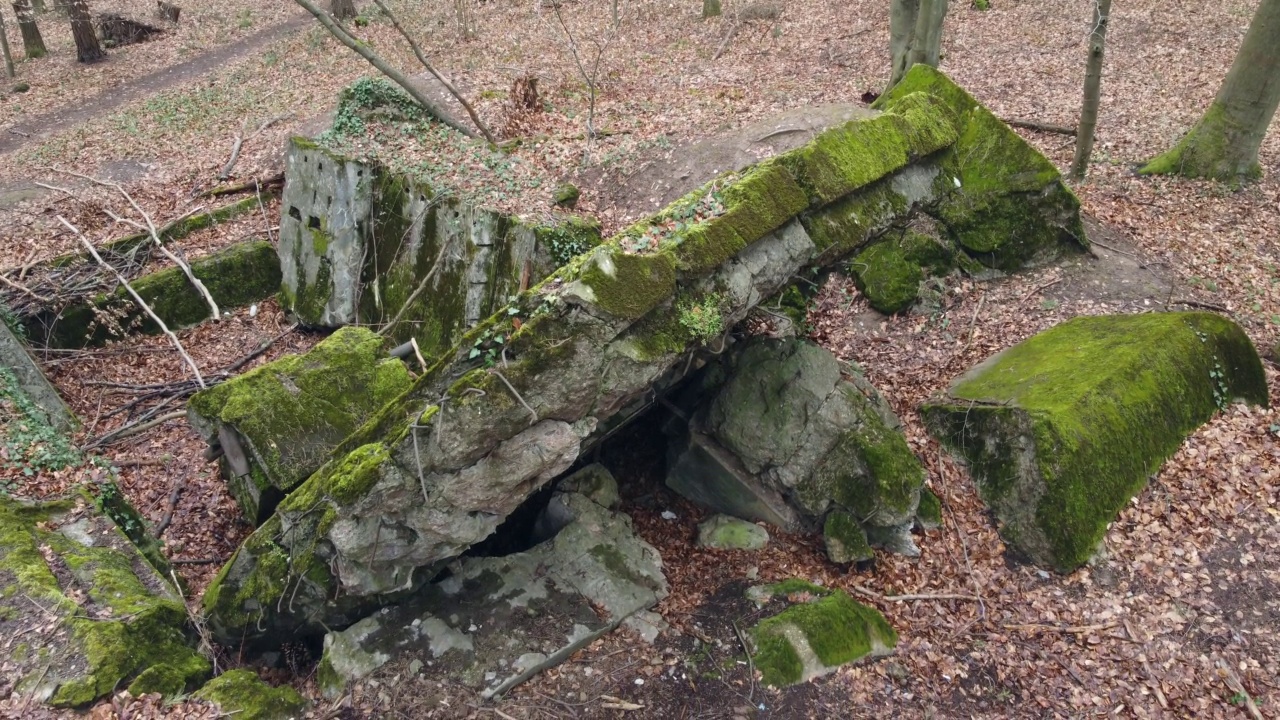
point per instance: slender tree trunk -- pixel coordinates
(342, 9)
(32, 42)
(915, 34)
(87, 48)
(1224, 144)
(4, 48)
(710, 8)
(1092, 88)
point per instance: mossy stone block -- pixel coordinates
(845, 539)
(291, 413)
(626, 285)
(1060, 431)
(1005, 202)
(814, 638)
(724, 532)
(929, 511)
(246, 695)
(94, 613)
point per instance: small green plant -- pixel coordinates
(371, 94)
(11, 321)
(244, 19)
(703, 319)
(27, 442)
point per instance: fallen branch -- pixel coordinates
(395, 22)
(362, 49)
(23, 288)
(1037, 290)
(872, 594)
(1199, 304)
(241, 137)
(1233, 682)
(256, 183)
(138, 299)
(155, 237)
(174, 494)
(1070, 629)
(1042, 127)
(134, 429)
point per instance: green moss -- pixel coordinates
(628, 286)
(163, 679)
(929, 511)
(762, 199)
(1209, 150)
(838, 630)
(243, 693)
(849, 223)
(568, 237)
(179, 229)
(237, 276)
(245, 603)
(845, 539)
(849, 157)
(889, 279)
(614, 561)
(1075, 391)
(792, 586)
(295, 410)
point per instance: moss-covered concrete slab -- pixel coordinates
(236, 276)
(1061, 430)
(27, 377)
(278, 423)
(242, 694)
(493, 623)
(357, 240)
(725, 532)
(1005, 203)
(821, 631)
(86, 611)
(516, 399)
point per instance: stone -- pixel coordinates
(510, 404)
(1006, 204)
(821, 631)
(723, 532)
(88, 610)
(493, 622)
(788, 440)
(566, 195)
(357, 239)
(29, 379)
(277, 424)
(242, 694)
(595, 482)
(1062, 430)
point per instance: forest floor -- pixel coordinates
(1180, 616)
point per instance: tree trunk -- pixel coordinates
(915, 34)
(1092, 89)
(32, 42)
(4, 48)
(342, 9)
(710, 8)
(1224, 144)
(87, 48)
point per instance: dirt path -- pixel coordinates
(39, 126)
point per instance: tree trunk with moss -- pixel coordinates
(1092, 89)
(1224, 144)
(915, 34)
(32, 41)
(342, 9)
(87, 48)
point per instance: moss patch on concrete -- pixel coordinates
(105, 616)
(1060, 431)
(814, 638)
(293, 412)
(845, 539)
(237, 276)
(242, 694)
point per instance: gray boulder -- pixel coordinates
(724, 532)
(789, 440)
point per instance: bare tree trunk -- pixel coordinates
(1092, 88)
(32, 41)
(87, 48)
(4, 48)
(915, 34)
(710, 8)
(342, 9)
(1224, 144)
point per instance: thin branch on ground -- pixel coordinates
(136, 298)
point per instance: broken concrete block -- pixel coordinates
(278, 423)
(242, 694)
(821, 631)
(1061, 430)
(493, 622)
